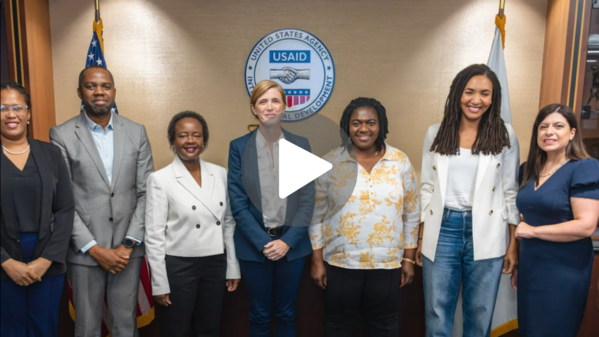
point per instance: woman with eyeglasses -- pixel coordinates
(37, 211)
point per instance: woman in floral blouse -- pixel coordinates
(364, 249)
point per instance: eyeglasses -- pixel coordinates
(18, 109)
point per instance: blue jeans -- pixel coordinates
(454, 266)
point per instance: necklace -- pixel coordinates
(16, 153)
(557, 168)
(371, 166)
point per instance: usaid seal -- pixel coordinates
(300, 63)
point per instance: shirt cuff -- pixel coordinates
(137, 241)
(88, 246)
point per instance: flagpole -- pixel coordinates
(97, 2)
(501, 7)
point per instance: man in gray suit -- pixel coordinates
(110, 159)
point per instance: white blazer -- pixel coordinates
(184, 219)
(494, 202)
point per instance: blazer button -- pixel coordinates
(498, 165)
(431, 212)
(433, 189)
(490, 212)
(493, 188)
(110, 219)
(198, 226)
(434, 167)
(218, 223)
(193, 207)
(221, 203)
(112, 195)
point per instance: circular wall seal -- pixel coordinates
(300, 63)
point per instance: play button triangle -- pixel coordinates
(298, 167)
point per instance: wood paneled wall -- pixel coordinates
(34, 53)
(553, 86)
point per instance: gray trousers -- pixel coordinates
(90, 284)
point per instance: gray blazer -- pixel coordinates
(105, 212)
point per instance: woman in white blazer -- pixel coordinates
(468, 192)
(189, 234)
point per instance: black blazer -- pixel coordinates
(57, 212)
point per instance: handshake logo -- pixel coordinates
(289, 75)
(301, 63)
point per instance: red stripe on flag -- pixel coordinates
(295, 100)
(145, 280)
(289, 101)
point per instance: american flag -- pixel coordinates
(145, 303)
(95, 52)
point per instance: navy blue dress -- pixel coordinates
(554, 277)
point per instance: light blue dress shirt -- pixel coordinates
(104, 140)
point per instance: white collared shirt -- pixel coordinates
(104, 140)
(273, 207)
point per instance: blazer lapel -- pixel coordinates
(45, 172)
(249, 165)
(483, 163)
(442, 167)
(85, 136)
(118, 137)
(207, 180)
(185, 179)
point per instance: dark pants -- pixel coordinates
(373, 292)
(265, 281)
(197, 292)
(30, 311)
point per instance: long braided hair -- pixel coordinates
(359, 103)
(492, 135)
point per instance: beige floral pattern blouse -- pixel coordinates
(380, 219)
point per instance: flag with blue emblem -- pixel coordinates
(95, 52)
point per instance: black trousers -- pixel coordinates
(197, 291)
(374, 293)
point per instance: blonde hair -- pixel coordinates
(262, 87)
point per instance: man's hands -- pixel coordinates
(20, 273)
(275, 249)
(111, 260)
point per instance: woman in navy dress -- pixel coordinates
(559, 203)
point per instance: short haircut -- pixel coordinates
(380, 111)
(82, 74)
(18, 88)
(186, 114)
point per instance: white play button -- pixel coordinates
(298, 167)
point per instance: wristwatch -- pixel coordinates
(129, 243)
